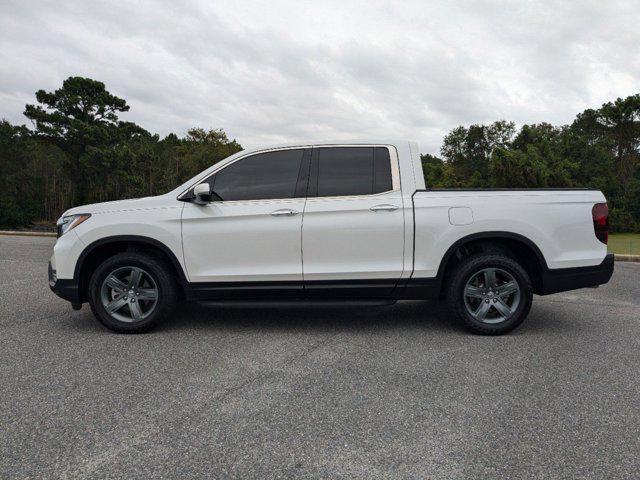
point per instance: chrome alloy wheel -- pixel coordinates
(491, 295)
(129, 294)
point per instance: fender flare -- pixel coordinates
(492, 234)
(129, 238)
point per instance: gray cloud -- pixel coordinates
(269, 71)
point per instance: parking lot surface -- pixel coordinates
(317, 392)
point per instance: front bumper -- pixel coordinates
(66, 289)
(563, 279)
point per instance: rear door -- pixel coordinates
(251, 240)
(353, 226)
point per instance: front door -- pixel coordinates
(353, 229)
(251, 240)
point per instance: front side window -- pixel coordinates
(269, 175)
(344, 171)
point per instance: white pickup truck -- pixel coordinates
(330, 221)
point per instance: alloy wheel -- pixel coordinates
(129, 294)
(491, 295)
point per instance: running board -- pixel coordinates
(297, 302)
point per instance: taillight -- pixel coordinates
(600, 214)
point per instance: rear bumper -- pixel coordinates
(563, 279)
(66, 289)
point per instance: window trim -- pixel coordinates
(302, 181)
(309, 151)
(393, 159)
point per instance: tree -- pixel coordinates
(606, 142)
(13, 157)
(518, 169)
(203, 148)
(31, 178)
(620, 120)
(82, 119)
(600, 149)
(545, 143)
(468, 151)
(79, 151)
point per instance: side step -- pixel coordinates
(303, 302)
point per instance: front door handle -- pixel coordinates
(383, 207)
(285, 212)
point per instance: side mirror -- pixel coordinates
(203, 194)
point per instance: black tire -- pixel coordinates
(466, 271)
(156, 270)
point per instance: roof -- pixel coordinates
(349, 141)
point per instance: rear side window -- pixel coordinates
(381, 170)
(269, 175)
(343, 171)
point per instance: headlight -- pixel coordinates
(70, 222)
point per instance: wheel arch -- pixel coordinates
(519, 247)
(98, 251)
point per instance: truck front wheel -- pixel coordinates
(491, 294)
(131, 292)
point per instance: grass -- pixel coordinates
(624, 243)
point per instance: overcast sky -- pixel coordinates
(273, 71)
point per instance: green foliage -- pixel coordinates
(79, 151)
(600, 149)
(81, 118)
(518, 169)
(467, 152)
(28, 167)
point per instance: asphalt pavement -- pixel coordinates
(316, 392)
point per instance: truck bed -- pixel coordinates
(557, 221)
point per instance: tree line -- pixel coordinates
(77, 151)
(600, 149)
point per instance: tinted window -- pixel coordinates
(381, 170)
(262, 176)
(353, 171)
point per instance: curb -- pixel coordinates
(27, 233)
(627, 258)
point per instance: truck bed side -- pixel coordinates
(558, 222)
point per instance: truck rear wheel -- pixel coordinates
(131, 292)
(490, 293)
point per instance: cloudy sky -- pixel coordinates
(272, 71)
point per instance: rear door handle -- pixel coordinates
(284, 213)
(384, 207)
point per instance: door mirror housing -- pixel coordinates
(202, 194)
